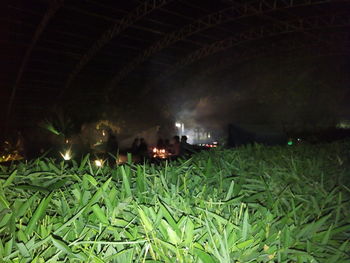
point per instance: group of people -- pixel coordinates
(140, 147)
(176, 146)
(180, 147)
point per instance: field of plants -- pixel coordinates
(251, 204)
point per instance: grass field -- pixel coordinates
(252, 204)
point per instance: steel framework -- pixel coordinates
(296, 47)
(294, 52)
(235, 12)
(130, 19)
(295, 25)
(53, 8)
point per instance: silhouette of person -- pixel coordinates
(185, 147)
(135, 146)
(176, 146)
(143, 148)
(184, 139)
(167, 143)
(112, 143)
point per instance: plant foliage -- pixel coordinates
(251, 204)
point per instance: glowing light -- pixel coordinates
(160, 153)
(178, 124)
(344, 124)
(67, 141)
(103, 133)
(290, 143)
(98, 163)
(67, 155)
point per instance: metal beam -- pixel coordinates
(51, 50)
(110, 19)
(287, 46)
(289, 51)
(296, 25)
(54, 7)
(126, 12)
(184, 17)
(130, 19)
(232, 13)
(291, 59)
(274, 20)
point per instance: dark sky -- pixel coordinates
(206, 63)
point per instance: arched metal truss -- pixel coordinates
(235, 12)
(296, 48)
(53, 8)
(297, 25)
(130, 19)
(62, 48)
(290, 65)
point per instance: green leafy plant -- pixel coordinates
(251, 204)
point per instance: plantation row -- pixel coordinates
(252, 204)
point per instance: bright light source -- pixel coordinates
(98, 163)
(67, 155)
(67, 141)
(103, 133)
(344, 124)
(160, 153)
(290, 143)
(209, 135)
(178, 124)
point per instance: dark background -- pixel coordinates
(207, 63)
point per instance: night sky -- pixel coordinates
(145, 63)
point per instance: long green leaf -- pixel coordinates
(38, 214)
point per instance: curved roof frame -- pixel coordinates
(50, 13)
(238, 10)
(233, 13)
(296, 45)
(295, 25)
(257, 33)
(131, 18)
